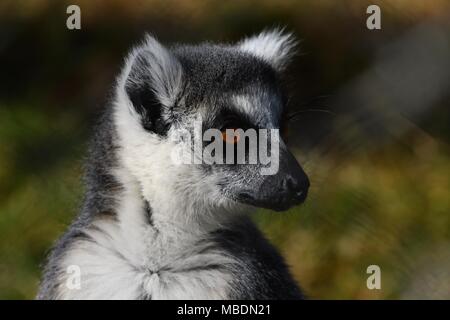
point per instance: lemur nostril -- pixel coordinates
(296, 189)
(301, 195)
(289, 184)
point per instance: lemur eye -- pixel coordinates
(232, 123)
(233, 139)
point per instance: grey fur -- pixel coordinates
(210, 241)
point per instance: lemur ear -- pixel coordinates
(273, 46)
(153, 83)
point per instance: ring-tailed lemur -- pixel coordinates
(152, 229)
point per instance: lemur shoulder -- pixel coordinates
(151, 229)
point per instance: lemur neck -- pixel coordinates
(168, 215)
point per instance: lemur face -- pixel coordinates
(169, 97)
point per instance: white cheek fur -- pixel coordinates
(127, 255)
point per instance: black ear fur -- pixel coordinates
(138, 87)
(153, 83)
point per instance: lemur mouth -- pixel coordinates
(276, 202)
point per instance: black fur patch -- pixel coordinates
(139, 89)
(263, 275)
(148, 213)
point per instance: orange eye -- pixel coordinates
(233, 139)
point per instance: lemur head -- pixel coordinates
(163, 91)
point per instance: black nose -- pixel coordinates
(295, 188)
(279, 192)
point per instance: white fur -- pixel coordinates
(256, 102)
(274, 47)
(130, 256)
(165, 70)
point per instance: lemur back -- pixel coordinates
(150, 228)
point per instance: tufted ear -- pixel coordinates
(273, 46)
(152, 82)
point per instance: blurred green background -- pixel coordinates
(378, 159)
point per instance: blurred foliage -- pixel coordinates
(388, 208)
(378, 196)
